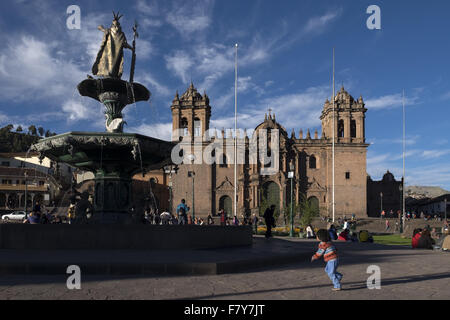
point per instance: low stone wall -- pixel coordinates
(110, 237)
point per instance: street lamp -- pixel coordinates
(191, 174)
(291, 176)
(381, 199)
(170, 170)
(445, 209)
(26, 193)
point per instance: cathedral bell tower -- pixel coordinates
(191, 114)
(349, 117)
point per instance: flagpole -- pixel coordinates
(404, 154)
(235, 129)
(334, 134)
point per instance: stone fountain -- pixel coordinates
(113, 156)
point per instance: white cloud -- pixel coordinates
(155, 86)
(298, 110)
(191, 17)
(180, 63)
(390, 101)
(318, 24)
(245, 84)
(434, 154)
(75, 110)
(32, 71)
(162, 131)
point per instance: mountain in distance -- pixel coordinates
(422, 192)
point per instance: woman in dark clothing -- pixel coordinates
(425, 240)
(332, 232)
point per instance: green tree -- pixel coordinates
(32, 130)
(19, 129)
(41, 131)
(307, 211)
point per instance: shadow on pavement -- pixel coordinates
(354, 286)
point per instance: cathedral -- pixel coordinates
(208, 188)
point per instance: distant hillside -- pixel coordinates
(420, 192)
(19, 141)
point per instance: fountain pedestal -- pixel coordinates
(112, 198)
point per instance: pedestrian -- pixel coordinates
(223, 217)
(425, 240)
(332, 232)
(157, 219)
(32, 219)
(310, 232)
(387, 225)
(329, 253)
(270, 220)
(182, 211)
(255, 221)
(235, 221)
(346, 226)
(189, 220)
(71, 213)
(383, 214)
(210, 220)
(344, 235)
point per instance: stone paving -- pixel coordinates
(406, 274)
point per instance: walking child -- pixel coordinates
(330, 256)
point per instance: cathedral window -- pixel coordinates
(341, 129)
(312, 162)
(197, 127)
(184, 126)
(223, 162)
(347, 175)
(353, 129)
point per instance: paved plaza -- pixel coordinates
(405, 274)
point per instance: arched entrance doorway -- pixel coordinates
(13, 201)
(226, 204)
(271, 196)
(314, 204)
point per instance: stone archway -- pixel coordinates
(13, 201)
(314, 203)
(226, 204)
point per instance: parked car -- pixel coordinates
(14, 216)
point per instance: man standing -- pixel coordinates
(255, 223)
(269, 219)
(182, 211)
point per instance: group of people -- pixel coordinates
(410, 215)
(36, 216)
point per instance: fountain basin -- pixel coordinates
(94, 88)
(114, 158)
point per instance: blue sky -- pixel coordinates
(285, 64)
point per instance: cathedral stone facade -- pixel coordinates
(208, 188)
